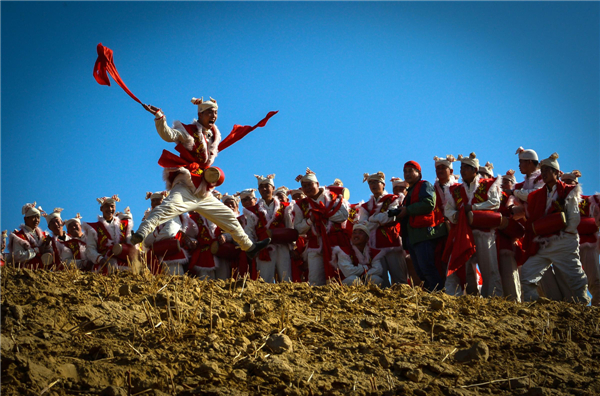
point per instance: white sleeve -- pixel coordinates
(383, 218)
(376, 268)
(250, 227)
(342, 214)
(299, 221)
(92, 246)
(349, 269)
(450, 208)
(572, 212)
(166, 133)
(522, 194)
(19, 253)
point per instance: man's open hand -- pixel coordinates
(151, 109)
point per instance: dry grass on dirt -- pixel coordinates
(73, 333)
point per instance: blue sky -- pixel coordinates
(360, 87)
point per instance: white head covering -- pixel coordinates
(30, 210)
(226, 197)
(510, 175)
(551, 161)
(217, 194)
(55, 213)
(363, 227)
(379, 176)
(444, 161)
(268, 179)
(297, 191)
(338, 183)
(396, 181)
(309, 176)
(527, 154)
(105, 200)
(77, 219)
(283, 189)
(157, 195)
(574, 175)
(470, 160)
(487, 168)
(249, 192)
(203, 106)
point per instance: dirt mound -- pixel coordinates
(74, 333)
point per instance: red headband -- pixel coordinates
(413, 164)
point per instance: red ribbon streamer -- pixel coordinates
(239, 131)
(105, 64)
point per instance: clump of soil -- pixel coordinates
(73, 333)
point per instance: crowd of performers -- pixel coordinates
(484, 233)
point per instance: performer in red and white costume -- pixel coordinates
(172, 230)
(299, 263)
(239, 266)
(486, 171)
(270, 214)
(399, 187)
(75, 245)
(359, 263)
(469, 246)
(588, 235)
(282, 194)
(384, 234)
(55, 225)
(27, 244)
(321, 216)
(198, 146)
(444, 170)
(112, 228)
(559, 248)
(510, 251)
(202, 262)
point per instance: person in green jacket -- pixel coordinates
(419, 231)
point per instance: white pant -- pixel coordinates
(486, 257)
(509, 274)
(553, 286)
(223, 271)
(589, 261)
(316, 270)
(280, 261)
(182, 200)
(394, 262)
(563, 254)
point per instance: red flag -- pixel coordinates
(239, 131)
(105, 64)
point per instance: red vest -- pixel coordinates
(537, 209)
(386, 236)
(202, 256)
(584, 211)
(74, 245)
(104, 241)
(424, 220)
(459, 193)
(278, 221)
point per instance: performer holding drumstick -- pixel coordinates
(189, 175)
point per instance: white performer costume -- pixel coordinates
(485, 242)
(276, 214)
(373, 213)
(359, 267)
(561, 250)
(75, 248)
(304, 226)
(184, 195)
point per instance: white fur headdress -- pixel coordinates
(269, 179)
(77, 219)
(291, 193)
(444, 161)
(379, 176)
(527, 154)
(30, 210)
(105, 200)
(510, 175)
(470, 160)
(283, 190)
(217, 194)
(203, 106)
(574, 175)
(551, 162)
(226, 197)
(309, 176)
(55, 213)
(249, 192)
(157, 195)
(396, 181)
(338, 183)
(487, 168)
